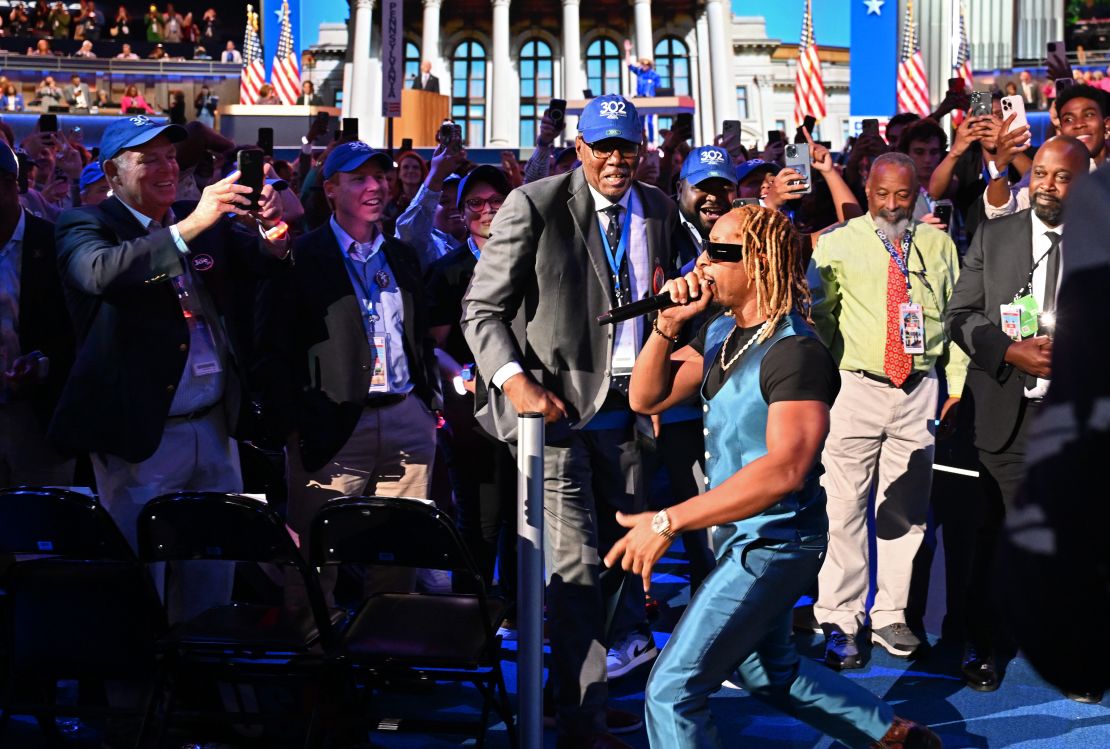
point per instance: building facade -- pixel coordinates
(501, 62)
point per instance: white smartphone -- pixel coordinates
(797, 158)
(1015, 105)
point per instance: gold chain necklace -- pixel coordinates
(726, 364)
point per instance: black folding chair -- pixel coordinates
(236, 643)
(77, 604)
(394, 636)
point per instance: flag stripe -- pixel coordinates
(254, 71)
(809, 84)
(912, 84)
(286, 75)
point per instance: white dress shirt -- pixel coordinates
(1041, 245)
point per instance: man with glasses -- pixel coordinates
(561, 251)
(473, 458)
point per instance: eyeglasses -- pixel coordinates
(724, 252)
(478, 204)
(604, 150)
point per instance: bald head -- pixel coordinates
(1058, 163)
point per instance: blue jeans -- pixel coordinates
(738, 626)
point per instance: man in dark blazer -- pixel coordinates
(563, 250)
(360, 359)
(1011, 258)
(156, 292)
(424, 80)
(36, 340)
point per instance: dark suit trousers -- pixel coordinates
(1001, 475)
(588, 475)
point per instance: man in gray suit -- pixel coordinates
(563, 250)
(78, 94)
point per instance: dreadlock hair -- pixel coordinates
(773, 262)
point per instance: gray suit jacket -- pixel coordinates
(71, 95)
(542, 280)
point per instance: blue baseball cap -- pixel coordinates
(91, 174)
(750, 166)
(707, 162)
(482, 175)
(8, 162)
(610, 116)
(128, 132)
(351, 155)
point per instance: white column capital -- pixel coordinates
(432, 3)
(364, 5)
(500, 3)
(571, 2)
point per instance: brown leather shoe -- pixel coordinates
(594, 741)
(906, 734)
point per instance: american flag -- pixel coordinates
(809, 86)
(254, 71)
(913, 87)
(286, 76)
(962, 64)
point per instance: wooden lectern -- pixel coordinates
(422, 112)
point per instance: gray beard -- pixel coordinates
(893, 231)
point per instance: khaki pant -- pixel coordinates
(389, 454)
(878, 434)
(193, 455)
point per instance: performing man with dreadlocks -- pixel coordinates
(766, 384)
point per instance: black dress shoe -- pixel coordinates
(1087, 698)
(979, 670)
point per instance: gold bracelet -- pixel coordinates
(655, 328)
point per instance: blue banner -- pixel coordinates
(269, 16)
(874, 64)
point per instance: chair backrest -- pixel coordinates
(388, 531)
(213, 525)
(38, 520)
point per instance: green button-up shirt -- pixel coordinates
(850, 307)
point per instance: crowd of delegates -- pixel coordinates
(381, 317)
(44, 20)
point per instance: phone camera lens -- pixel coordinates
(791, 151)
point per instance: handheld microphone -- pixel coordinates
(635, 309)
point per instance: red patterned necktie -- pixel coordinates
(897, 364)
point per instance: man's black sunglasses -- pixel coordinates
(724, 252)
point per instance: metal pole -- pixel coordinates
(530, 587)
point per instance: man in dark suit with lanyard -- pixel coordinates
(562, 251)
(362, 366)
(155, 289)
(1000, 314)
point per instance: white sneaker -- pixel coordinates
(635, 650)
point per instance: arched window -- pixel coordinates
(603, 67)
(412, 62)
(537, 86)
(468, 91)
(672, 62)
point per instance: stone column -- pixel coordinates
(704, 91)
(502, 117)
(429, 44)
(573, 82)
(357, 98)
(719, 18)
(645, 46)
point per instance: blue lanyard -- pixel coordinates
(370, 316)
(899, 260)
(617, 258)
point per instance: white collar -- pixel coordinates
(1040, 227)
(346, 240)
(601, 202)
(142, 217)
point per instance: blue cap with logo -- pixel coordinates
(750, 166)
(707, 162)
(8, 162)
(128, 132)
(610, 116)
(351, 155)
(91, 174)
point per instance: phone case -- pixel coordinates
(1014, 105)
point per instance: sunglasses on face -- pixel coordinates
(724, 252)
(605, 149)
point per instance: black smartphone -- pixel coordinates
(557, 110)
(740, 202)
(1063, 84)
(319, 124)
(266, 140)
(808, 123)
(731, 127)
(406, 144)
(350, 129)
(979, 104)
(1057, 56)
(957, 84)
(942, 211)
(450, 136)
(775, 136)
(869, 126)
(250, 163)
(48, 123)
(24, 172)
(685, 120)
